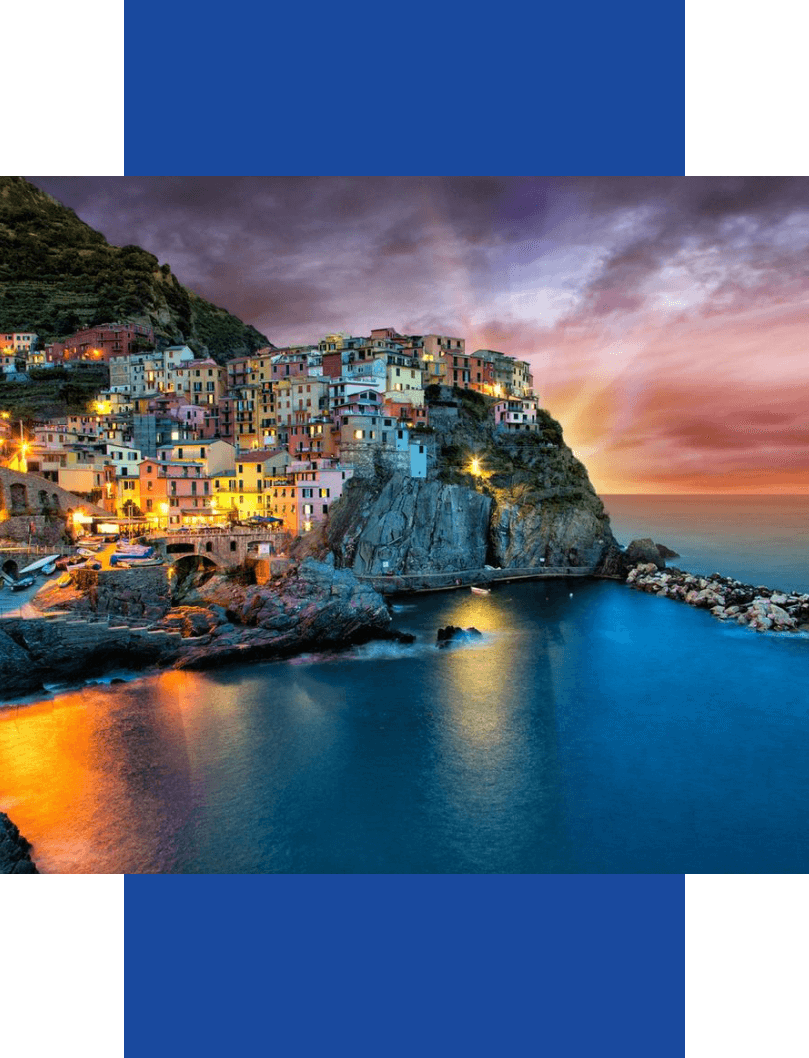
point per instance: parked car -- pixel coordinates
(24, 582)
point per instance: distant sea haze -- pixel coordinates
(756, 539)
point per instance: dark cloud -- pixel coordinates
(229, 237)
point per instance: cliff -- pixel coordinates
(57, 274)
(129, 619)
(529, 504)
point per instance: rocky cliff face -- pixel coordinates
(310, 606)
(530, 504)
(410, 526)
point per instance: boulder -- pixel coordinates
(15, 851)
(644, 551)
(453, 634)
(666, 552)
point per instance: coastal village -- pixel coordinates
(176, 442)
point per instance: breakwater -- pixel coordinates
(757, 607)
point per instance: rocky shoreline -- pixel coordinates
(756, 607)
(111, 620)
(15, 851)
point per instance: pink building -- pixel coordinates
(107, 340)
(316, 486)
(516, 414)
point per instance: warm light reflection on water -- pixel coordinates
(87, 776)
(592, 728)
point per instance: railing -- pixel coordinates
(38, 549)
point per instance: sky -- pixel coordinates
(666, 318)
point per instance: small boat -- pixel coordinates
(49, 568)
(136, 563)
(64, 580)
(41, 564)
(480, 591)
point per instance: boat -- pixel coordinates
(136, 563)
(70, 562)
(41, 564)
(64, 580)
(130, 553)
(48, 568)
(480, 591)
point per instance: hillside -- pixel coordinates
(57, 274)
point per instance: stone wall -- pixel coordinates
(30, 494)
(367, 459)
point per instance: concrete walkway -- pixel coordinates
(463, 578)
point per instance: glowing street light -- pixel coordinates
(476, 466)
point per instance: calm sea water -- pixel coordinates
(592, 729)
(756, 539)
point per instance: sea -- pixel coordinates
(589, 729)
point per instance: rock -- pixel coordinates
(666, 552)
(644, 551)
(15, 851)
(534, 506)
(393, 635)
(727, 599)
(19, 673)
(454, 634)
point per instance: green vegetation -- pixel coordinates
(474, 403)
(58, 275)
(53, 392)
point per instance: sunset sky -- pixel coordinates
(666, 318)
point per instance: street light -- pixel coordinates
(164, 509)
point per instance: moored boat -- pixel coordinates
(480, 591)
(47, 564)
